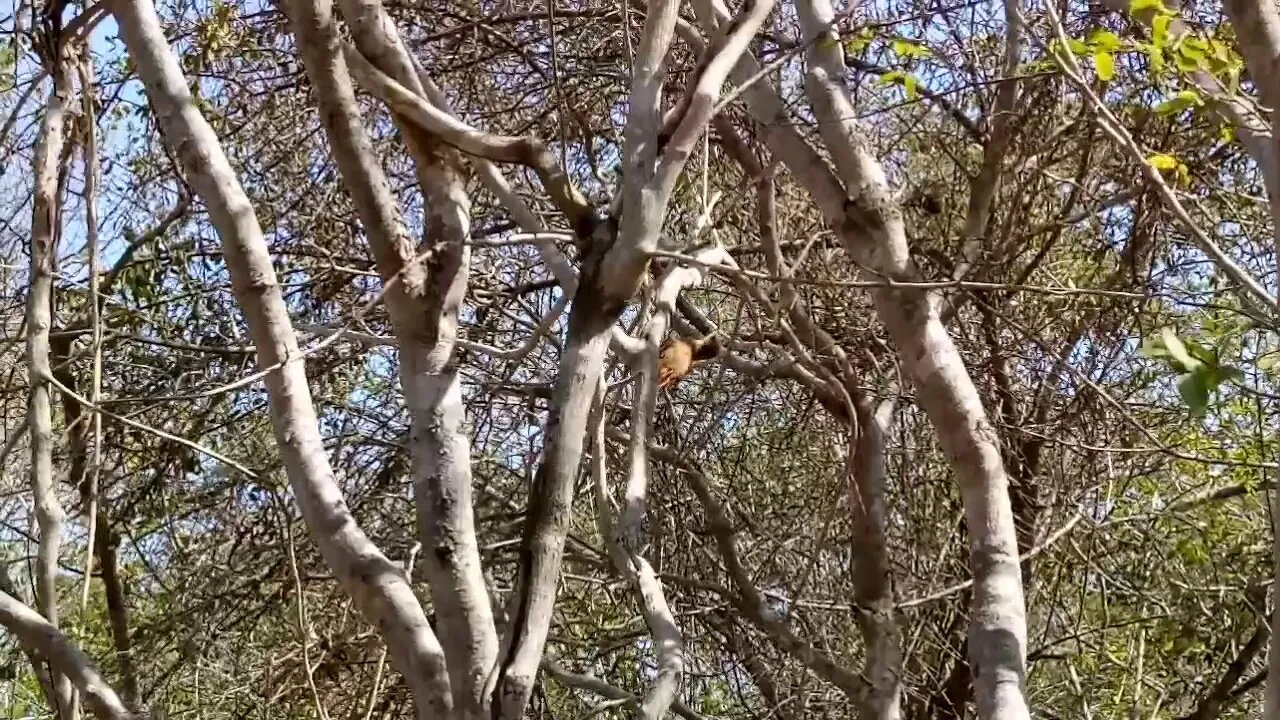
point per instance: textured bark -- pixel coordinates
(612, 272)
(406, 97)
(872, 231)
(985, 186)
(594, 684)
(45, 227)
(551, 497)
(423, 299)
(92, 173)
(378, 586)
(41, 638)
(625, 540)
(1271, 700)
(872, 573)
(629, 563)
(80, 434)
(1257, 26)
(857, 203)
(105, 542)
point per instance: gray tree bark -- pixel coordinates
(423, 297)
(41, 638)
(45, 227)
(870, 226)
(612, 272)
(857, 203)
(378, 586)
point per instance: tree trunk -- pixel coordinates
(45, 227)
(423, 298)
(378, 586)
(861, 209)
(1257, 25)
(872, 574)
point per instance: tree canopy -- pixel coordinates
(333, 377)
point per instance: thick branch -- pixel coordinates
(378, 586)
(45, 228)
(528, 151)
(424, 310)
(43, 639)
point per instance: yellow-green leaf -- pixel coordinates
(1104, 40)
(1181, 101)
(893, 77)
(1184, 175)
(906, 49)
(1163, 162)
(1137, 6)
(1160, 30)
(1156, 55)
(859, 42)
(1185, 62)
(912, 86)
(1176, 349)
(1105, 65)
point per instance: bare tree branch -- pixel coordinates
(43, 639)
(378, 586)
(424, 311)
(46, 226)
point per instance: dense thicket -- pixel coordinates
(993, 286)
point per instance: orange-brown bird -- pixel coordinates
(677, 356)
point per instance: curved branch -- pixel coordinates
(378, 587)
(528, 150)
(40, 638)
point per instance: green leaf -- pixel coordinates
(1155, 54)
(1166, 163)
(1137, 6)
(912, 85)
(1154, 349)
(1194, 391)
(907, 50)
(893, 77)
(1195, 47)
(1177, 350)
(1185, 62)
(1105, 65)
(1160, 30)
(1201, 353)
(859, 42)
(1225, 373)
(1104, 40)
(1193, 553)
(1182, 101)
